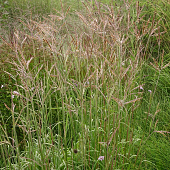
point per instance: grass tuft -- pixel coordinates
(84, 87)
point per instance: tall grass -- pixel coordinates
(82, 98)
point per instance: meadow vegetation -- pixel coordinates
(84, 85)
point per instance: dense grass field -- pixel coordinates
(84, 85)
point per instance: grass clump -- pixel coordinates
(81, 94)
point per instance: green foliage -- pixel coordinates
(84, 90)
(157, 150)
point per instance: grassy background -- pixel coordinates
(84, 80)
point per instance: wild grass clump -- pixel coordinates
(81, 97)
